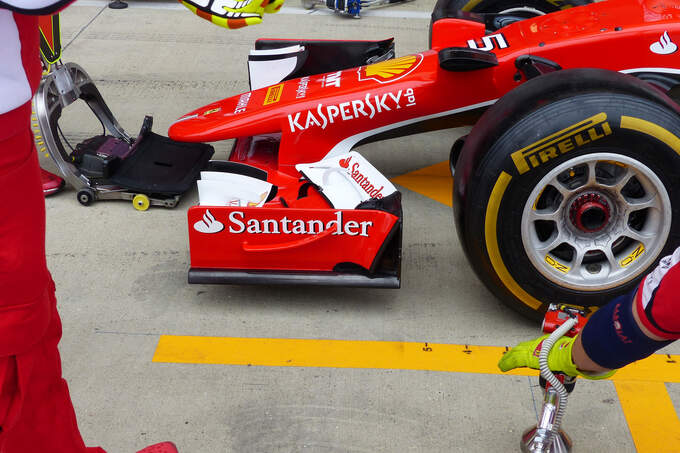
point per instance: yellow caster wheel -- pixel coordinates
(141, 202)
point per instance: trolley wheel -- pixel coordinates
(141, 202)
(308, 4)
(85, 197)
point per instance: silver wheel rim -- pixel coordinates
(596, 221)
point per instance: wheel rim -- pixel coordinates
(596, 221)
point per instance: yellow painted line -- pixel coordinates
(372, 354)
(329, 353)
(656, 368)
(649, 411)
(651, 417)
(434, 182)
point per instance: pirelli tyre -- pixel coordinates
(522, 8)
(575, 201)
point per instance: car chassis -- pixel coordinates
(487, 70)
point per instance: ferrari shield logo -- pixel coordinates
(50, 38)
(390, 70)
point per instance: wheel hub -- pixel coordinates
(590, 212)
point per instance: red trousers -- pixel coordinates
(36, 413)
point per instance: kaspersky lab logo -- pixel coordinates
(390, 70)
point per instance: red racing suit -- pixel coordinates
(36, 413)
(657, 303)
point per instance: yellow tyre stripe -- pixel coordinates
(491, 220)
(652, 129)
(471, 4)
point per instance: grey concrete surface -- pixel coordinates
(121, 281)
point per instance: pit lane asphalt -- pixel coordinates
(121, 282)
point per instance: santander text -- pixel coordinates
(238, 223)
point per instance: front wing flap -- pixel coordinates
(348, 247)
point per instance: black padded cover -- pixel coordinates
(163, 166)
(329, 55)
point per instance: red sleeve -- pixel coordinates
(658, 301)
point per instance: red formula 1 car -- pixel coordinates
(565, 189)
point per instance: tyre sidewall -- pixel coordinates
(540, 123)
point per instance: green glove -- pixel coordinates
(526, 355)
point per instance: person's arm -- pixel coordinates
(585, 363)
(629, 328)
(582, 361)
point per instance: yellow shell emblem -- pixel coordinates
(391, 69)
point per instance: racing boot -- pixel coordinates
(163, 447)
(51, 183)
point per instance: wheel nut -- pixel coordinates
(589, 212)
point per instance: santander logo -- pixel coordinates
(362, 179)
(208, 224)
(664, 46)
(344, 163)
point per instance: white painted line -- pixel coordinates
(292, 10)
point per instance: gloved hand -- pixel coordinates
(233, 13)
(526, 355)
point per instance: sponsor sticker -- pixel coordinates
(208, 224)
(347, 179)
(664, 46)
(208, 112)
(237, 222)
(489, 42)
(301, 91)
(242, 102)
(556, 264)
(362, 178)
(390, 70)
(635, 254)
(568, 139)
(331, 80)
(367, 107)
(273, 94)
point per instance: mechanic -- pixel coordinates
(629, 328)
(36, 413)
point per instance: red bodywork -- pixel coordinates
(290, 238)
(328, 114)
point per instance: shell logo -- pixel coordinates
(390, 70)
